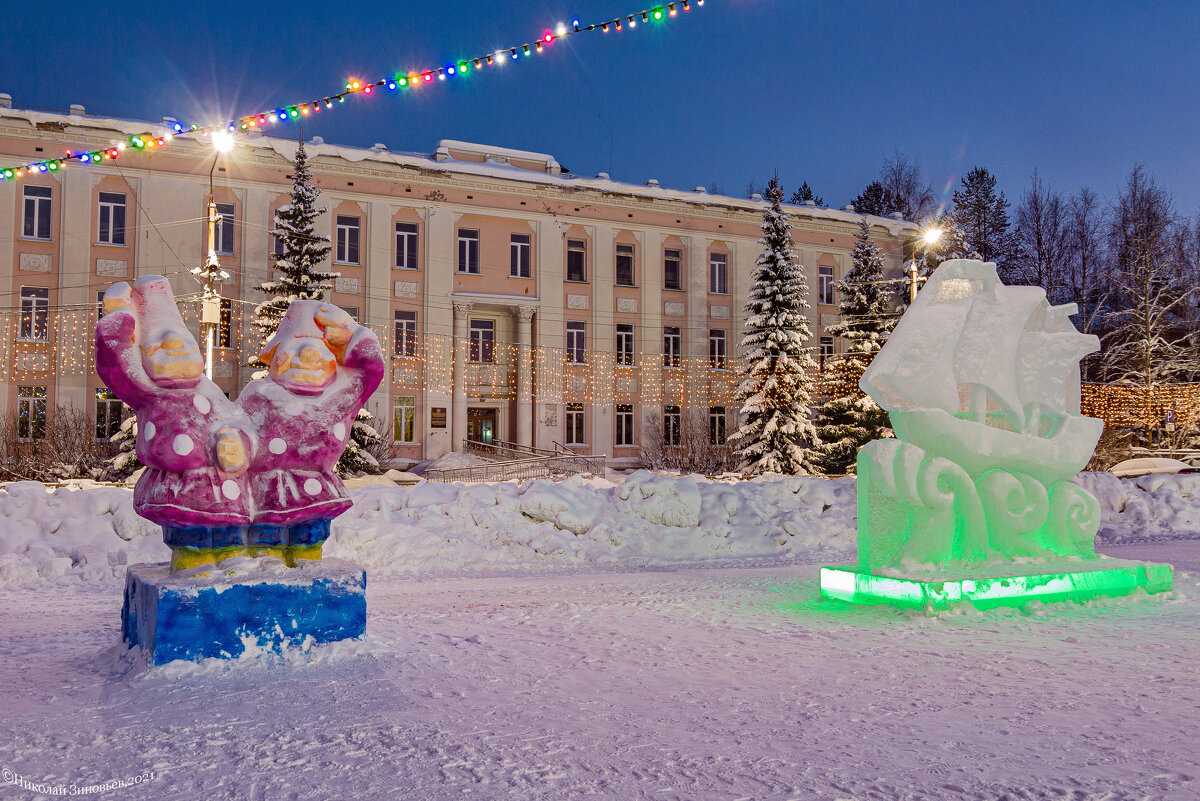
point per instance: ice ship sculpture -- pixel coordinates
(972, 500)
(244, 491)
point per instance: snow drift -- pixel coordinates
(85, 532)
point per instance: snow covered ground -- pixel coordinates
(672, 655)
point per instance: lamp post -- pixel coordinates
(929, 238)
(210, 306)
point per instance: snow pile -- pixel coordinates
(91, 532)
(80, 530)
(1149, 507)
(647, 519)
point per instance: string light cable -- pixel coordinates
(406, 80)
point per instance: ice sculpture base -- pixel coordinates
(258, 606)
(994, 585)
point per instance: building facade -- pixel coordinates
(518, 302)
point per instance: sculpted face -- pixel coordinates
(172, 359)
(304, 365)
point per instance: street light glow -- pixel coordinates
(222, 141)
(932, 236)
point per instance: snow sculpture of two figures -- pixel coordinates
(251, 478)
(972, 500)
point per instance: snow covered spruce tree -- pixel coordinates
(776, 385)
(849, 421)
(301, 251)
(300, 277)
(124, 462)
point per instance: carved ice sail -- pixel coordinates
(988, 346)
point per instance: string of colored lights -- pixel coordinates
(407, 79)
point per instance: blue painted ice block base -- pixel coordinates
(255, 604)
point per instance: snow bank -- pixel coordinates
(91, 532)
(1149, 507)
(81, 530)
(647, 519)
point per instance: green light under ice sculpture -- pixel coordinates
(971, 501)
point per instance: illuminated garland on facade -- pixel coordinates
(68, 346)
(410, 80)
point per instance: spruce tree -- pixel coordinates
(303, 249)
(124, 462)
(866, 317)
(300, 277)
(776, 385)
(804, 194)
(982, 214)
(876, 200)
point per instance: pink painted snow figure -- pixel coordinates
(322, 368)
(189, 438)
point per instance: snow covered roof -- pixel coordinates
(497, 164)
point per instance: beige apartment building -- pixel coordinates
(519, 302)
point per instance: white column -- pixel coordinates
(524, 315)
(458, 424)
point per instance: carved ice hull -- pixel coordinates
(978, 448)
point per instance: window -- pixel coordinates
(468, 250)
(576, 260)
(717, 349)
(31, 413)
(347, 239)
(625, 274)
(350, 310)
(575, 427)
(577, 343)
(225, 327)
(483, 341)
(825, 285)
(672, 346)
(717, 433)
(826, 347)
(223, 242)
(673, 269)
(37, 212)
(99, 304)
(625, 343)
(406, 333)
(624, 424)
(277, 247)
(112, 218)
(35, 312)
(406, 246)
(718, 274)
(109, 413)
(672, 425)
(518, 256)
(404, 419)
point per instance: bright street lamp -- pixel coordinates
(222, 141)
(929, 238)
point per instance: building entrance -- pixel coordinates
(481, 425)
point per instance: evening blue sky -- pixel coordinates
(733, 91)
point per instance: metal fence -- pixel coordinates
(559, 466)
(502, 450)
